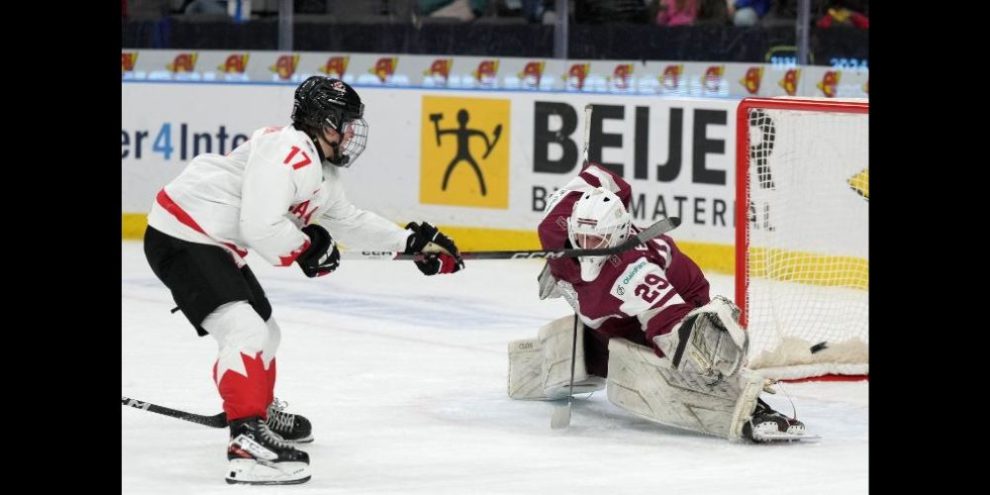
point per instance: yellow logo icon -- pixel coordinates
(861, 183)
(464, 152)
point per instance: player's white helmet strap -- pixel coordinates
(598, 220)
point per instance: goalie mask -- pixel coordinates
(325, 102)
(598, 221)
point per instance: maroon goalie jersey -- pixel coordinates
(640, 293)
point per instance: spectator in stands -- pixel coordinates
(465, 10)
(748, 12)
(677, 12)
(539, 11)
(844, 13)
(713, 12)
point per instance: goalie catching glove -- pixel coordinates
(322, 255)
(441, 254)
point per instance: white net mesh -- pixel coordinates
(806, 276)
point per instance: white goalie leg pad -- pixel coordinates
(648, 386)
(708, 341)
(526, 369)
(541, 368)
(557, 339)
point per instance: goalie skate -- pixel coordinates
(768, 425)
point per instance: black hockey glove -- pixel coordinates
(435, 261)
(322, 256)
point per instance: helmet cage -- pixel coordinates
(324, 102)
(599, 220)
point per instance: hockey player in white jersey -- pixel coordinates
(266, 196)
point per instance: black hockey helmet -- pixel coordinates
(322, 102)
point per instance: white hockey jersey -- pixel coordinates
(260, 196)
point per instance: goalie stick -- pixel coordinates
(561, 417)
(662, 226)
(215, 421)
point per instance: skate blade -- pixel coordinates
(254, 472)
(778, 437)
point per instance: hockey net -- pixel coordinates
(802, 246)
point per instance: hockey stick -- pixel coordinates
(665, 225)
(561, 417)
(215, 421)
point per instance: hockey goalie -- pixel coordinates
(646, 326)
